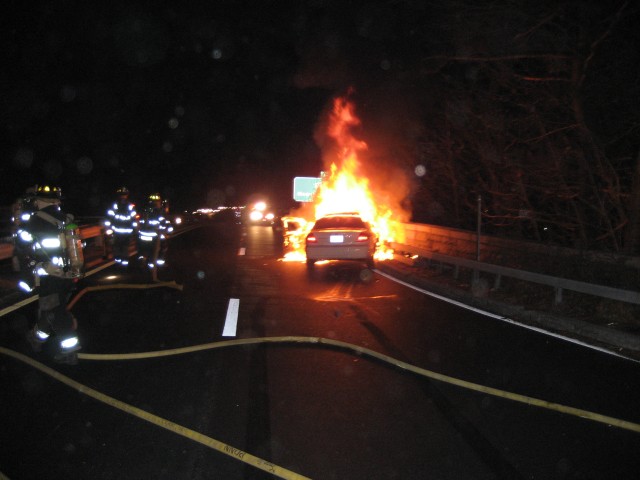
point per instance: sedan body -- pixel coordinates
(341, 236)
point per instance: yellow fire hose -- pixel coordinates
(362, 351)
(141, 286)
(316, 341)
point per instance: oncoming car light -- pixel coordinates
(255, 216)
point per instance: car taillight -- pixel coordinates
(363, 237)
(311, 238)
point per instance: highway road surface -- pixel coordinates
(234, 364)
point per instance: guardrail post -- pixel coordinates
(100, 240)
(478, 228)
(558, 298)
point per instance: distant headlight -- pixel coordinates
(269, 216)
(255, 216)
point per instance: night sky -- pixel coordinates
(211, 102)
(196, 100)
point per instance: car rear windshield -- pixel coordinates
(340, 222)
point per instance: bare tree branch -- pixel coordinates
(546, 79)
(501, 58)
(542, 22)
(599, 40)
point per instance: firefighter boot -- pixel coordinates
(68, 351)
(36, 339)
(66, 358)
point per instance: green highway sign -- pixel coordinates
(305, 187)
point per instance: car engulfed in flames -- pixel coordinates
(347, 187)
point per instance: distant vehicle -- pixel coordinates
(341, 236)
(292, 230)
(260, 214)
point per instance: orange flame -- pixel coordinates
(347, 188)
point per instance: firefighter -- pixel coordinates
(51, 262)
(21, 211)
(152, 233)
(121, 221)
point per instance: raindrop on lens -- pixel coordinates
(366, 275)
(23, 158)
(68, 93)
(52, 169)
(84, 165)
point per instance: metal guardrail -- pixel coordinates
(96, 231)
(89, 231)
(557, 283)
(6, 250)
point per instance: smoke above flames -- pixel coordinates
(354, 179)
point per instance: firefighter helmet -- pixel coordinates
(48, 192)
(122, 192)
(154, 200)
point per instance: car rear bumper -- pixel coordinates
(338, 253)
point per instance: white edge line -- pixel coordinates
(505, 319)
(231, 321)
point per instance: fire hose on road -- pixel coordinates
(315, 341)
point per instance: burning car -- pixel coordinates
(341, 236)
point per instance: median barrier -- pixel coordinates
(6, 250)
(458, 248)
(558, 284)
(607, 268)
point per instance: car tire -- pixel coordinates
(310, 264)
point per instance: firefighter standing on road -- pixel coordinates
(51, 262)
(121, 220)
(21, 211)
(153, 231)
